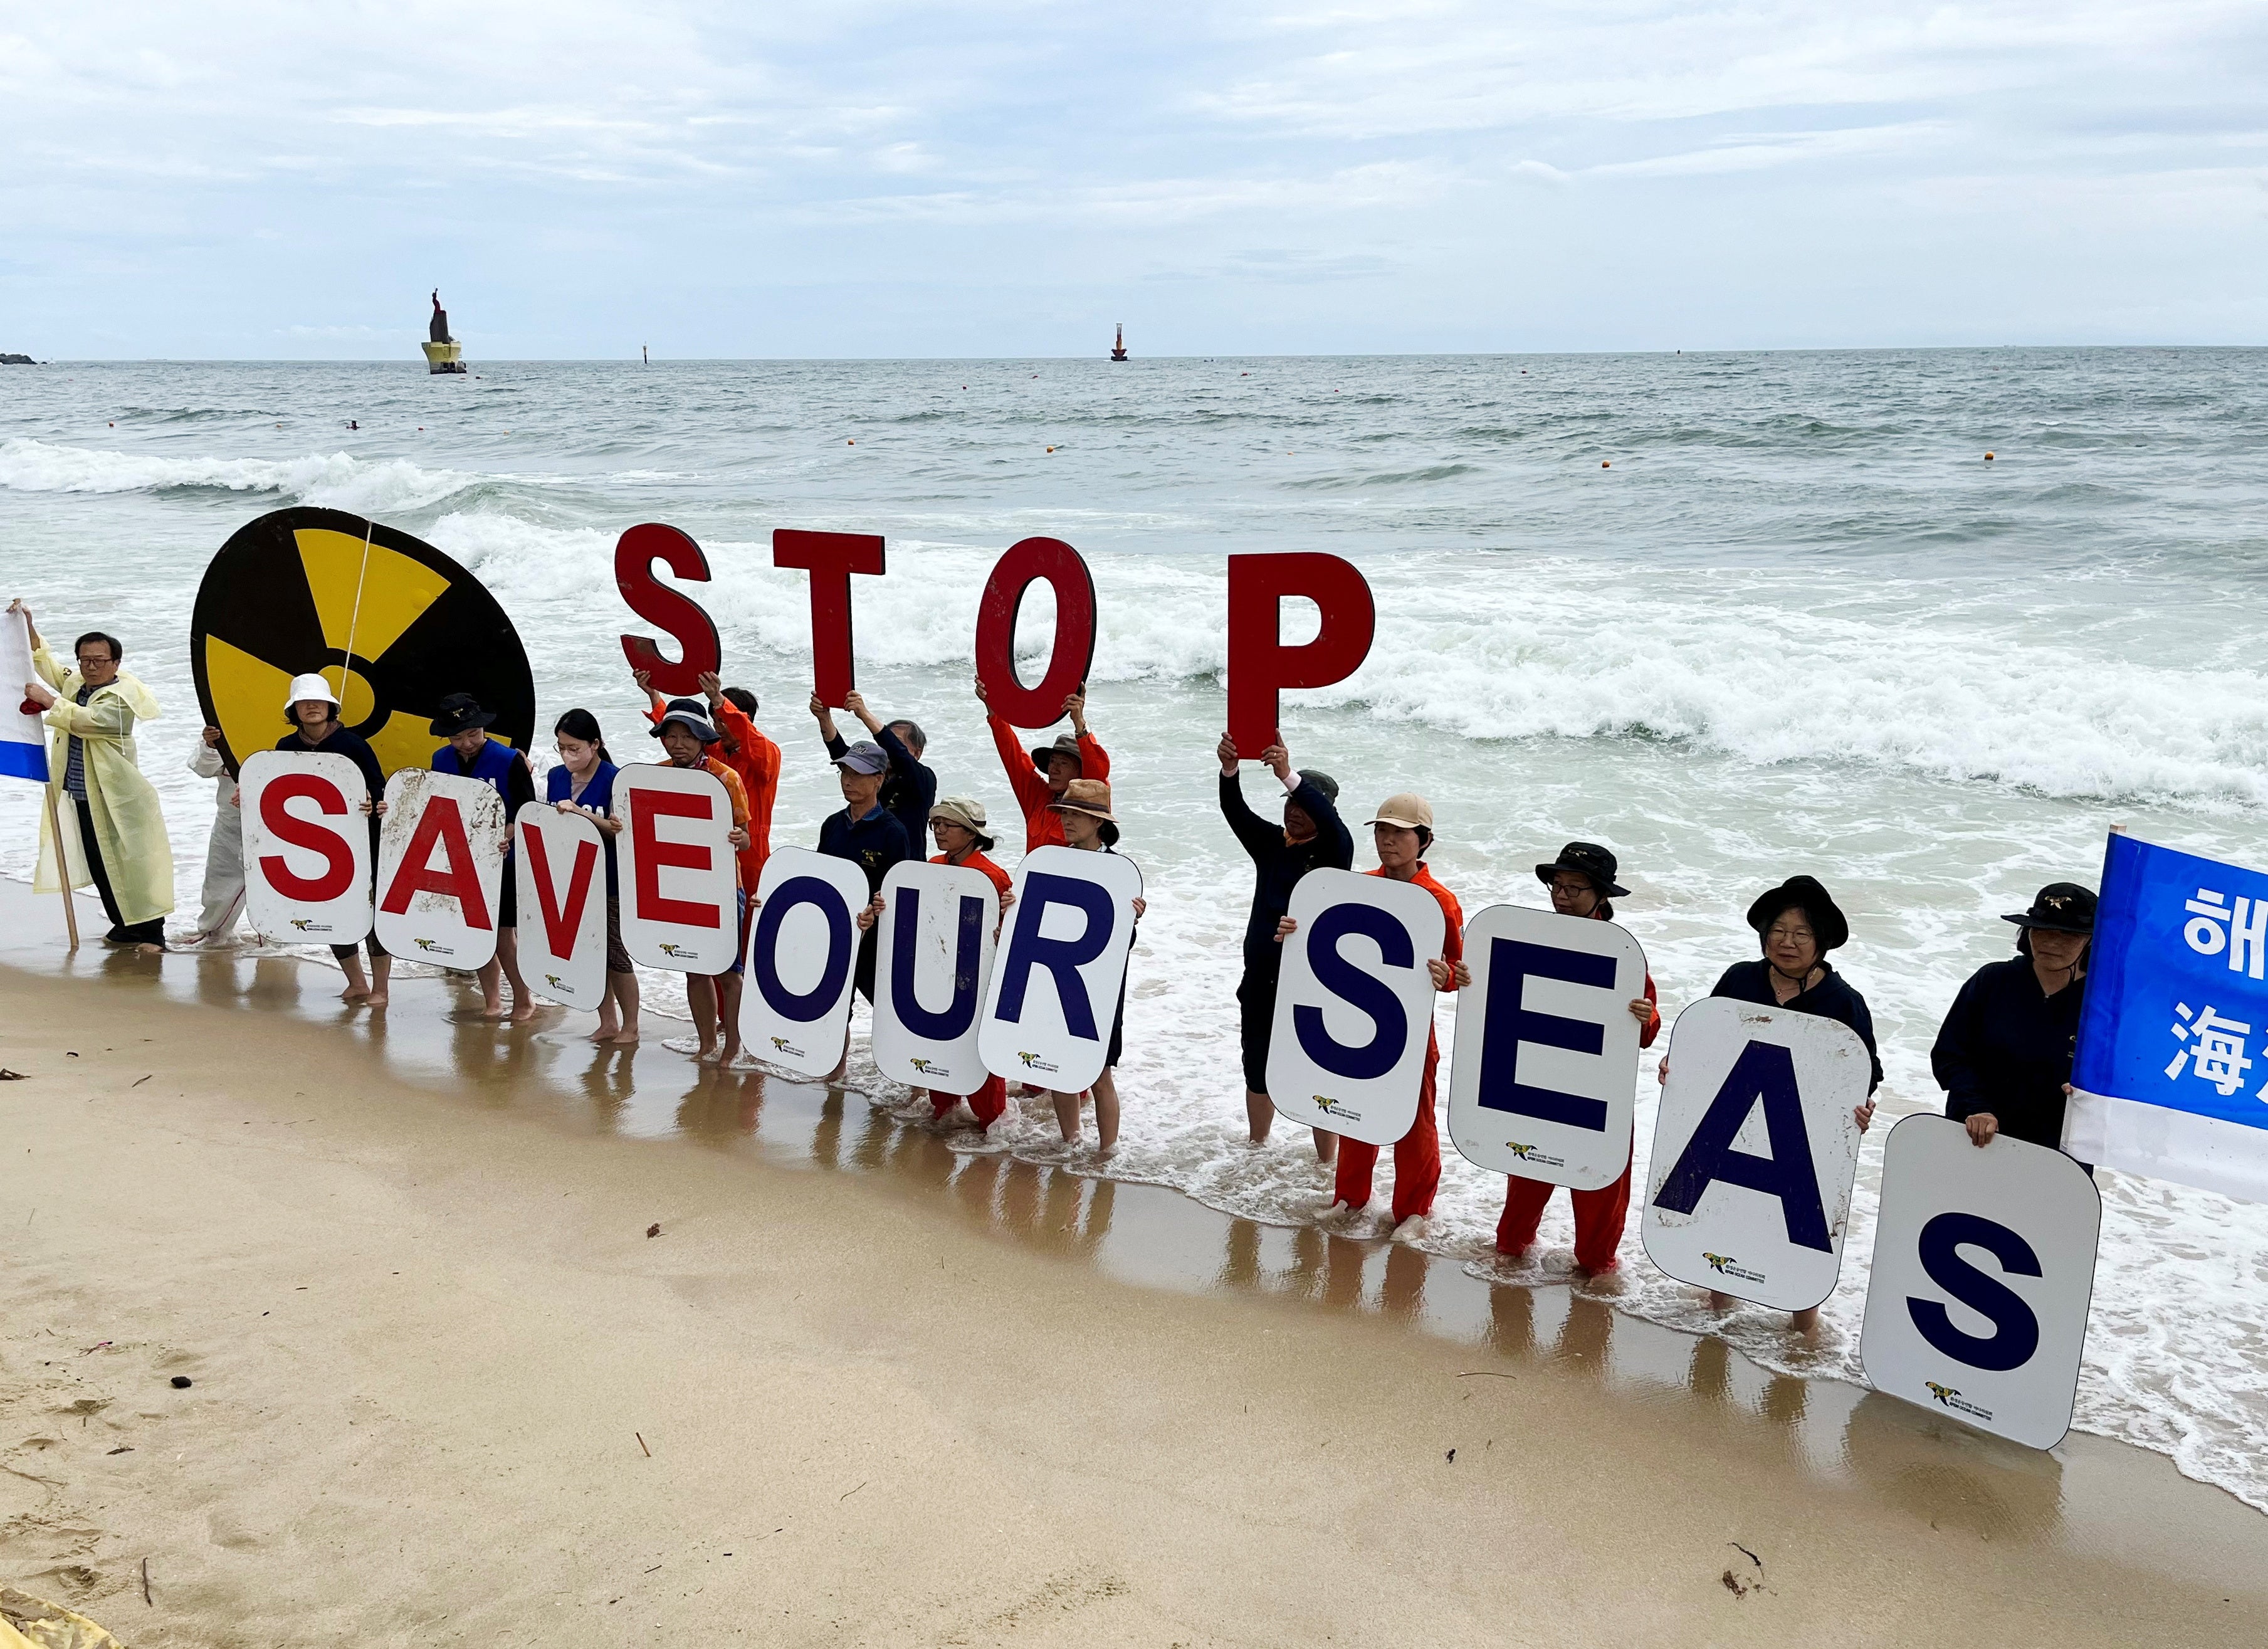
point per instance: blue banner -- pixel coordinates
(2176, 1010)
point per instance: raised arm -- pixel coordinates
(1031, 790)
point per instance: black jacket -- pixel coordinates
(356, 749)
(2006, 1048)
(908, 789)
(1830, 999)
(873, 843)
(1281, 864)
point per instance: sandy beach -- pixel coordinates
(859, 1390)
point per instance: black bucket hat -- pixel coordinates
(459, 712)
(1588, 859)
(1802, 892)
(2059, 907)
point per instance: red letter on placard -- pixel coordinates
(338, 866)
(559, 924)
(830, 558)
(653, 856)
(1260, 665)
(635, 553)
(441, 823)
(1024, 565)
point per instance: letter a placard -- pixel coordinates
(1354, 1004)
(441, 867)
(1984, 1273)
(307, 846)
(932, 963)
(803, 960)
(674, 861)
(1546, 1067)
(1056, 983)
(562, 867)
(1754, 1148)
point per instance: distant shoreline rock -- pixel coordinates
(17, 360)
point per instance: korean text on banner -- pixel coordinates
(307, 846)
(1354, 1006)
(803, 958)
(1061, 972)
(932, 964)
(2171, 1070)
(23, 738)
(1546, 1067)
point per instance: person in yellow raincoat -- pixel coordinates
(113, 833)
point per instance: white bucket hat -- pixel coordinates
(307, 687)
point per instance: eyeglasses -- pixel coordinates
(1793, 936)
(88, 659)
(1571, 889)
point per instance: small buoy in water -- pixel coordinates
(1244, 374)
(1051, 449)
(850, 443)
(1606, 463)
(114, 423)
(1988, 458)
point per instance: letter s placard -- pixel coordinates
(1984, 1273)
(307, 846)
(1354, 1005)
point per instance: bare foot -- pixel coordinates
(628, 1038)
(492, 1010)
(376, 999)
(731, 1056)
(522, 1011)
(355, 993)
(605, 1033)
(709, 1054)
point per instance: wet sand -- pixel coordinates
(862, 1389)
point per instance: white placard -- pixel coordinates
(1754, 1148)
(562, 867)
(307, 846)
(931, 969)
(1546, 1066)
(441, 867)
(1053, 997)
(674, 863)
(1983, 1271)
(803, 960)
(1354, 1004)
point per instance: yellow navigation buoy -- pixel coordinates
(1051, 449)
(1606, 463)
(1988, 458)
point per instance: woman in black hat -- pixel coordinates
(1582, 884)
(2004, 1055)
(1799, 923)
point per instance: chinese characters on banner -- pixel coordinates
(2171, 1074)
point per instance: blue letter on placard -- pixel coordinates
(1766, 1071)
(1365, 991)
(1063, 958)
(802, 890)
(942, 1027)
(2018, 1334)
(1511, 964)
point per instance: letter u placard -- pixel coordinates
(307, 846)
(441, 867)
(562, 867)
(1057, 982)
(1983, 1274)
(1754, 1148)
(1354, 1004)
(930, 967)
(803, 960)
(1546, 1071)
(674, 864)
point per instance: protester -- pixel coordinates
(864, 833)
(471, 753)
(743, 747)
(1402, 833)
(1798, 923)
(584, 783)
(313, 711)
(2004, 1055)
(1582, 884)
(1038, 776)
(908, 789)
(687, 737)
(1312, 836)
(1089, 827)
(222, 898)
(115, 832)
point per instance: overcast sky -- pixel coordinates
(580, 177)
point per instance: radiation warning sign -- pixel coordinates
(392, 624)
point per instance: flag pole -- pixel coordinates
(62, 865)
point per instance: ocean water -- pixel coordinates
(1737, 616)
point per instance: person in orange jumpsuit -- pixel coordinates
(957, 824)
(1402, 833)
(1038, 776)
(713, 999)
(748, 751)
(1582, 884)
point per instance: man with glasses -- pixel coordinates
(113, 834)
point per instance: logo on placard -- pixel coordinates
(1726, 1266)
(553, 980)
(1950, 1397)
(1033, 1062)
(1332, 1108)
(306, 925)
(670, 948)
(928, 1067)
(1536, 1154)
(435, 946)
(782, 1045)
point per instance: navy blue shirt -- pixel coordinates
(873, 843)
(908, 789)
(1830, 999)
(598, 795)
(1280, 863)
(2006, 1048)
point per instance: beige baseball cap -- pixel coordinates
(1409, 810)
(964, 811)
